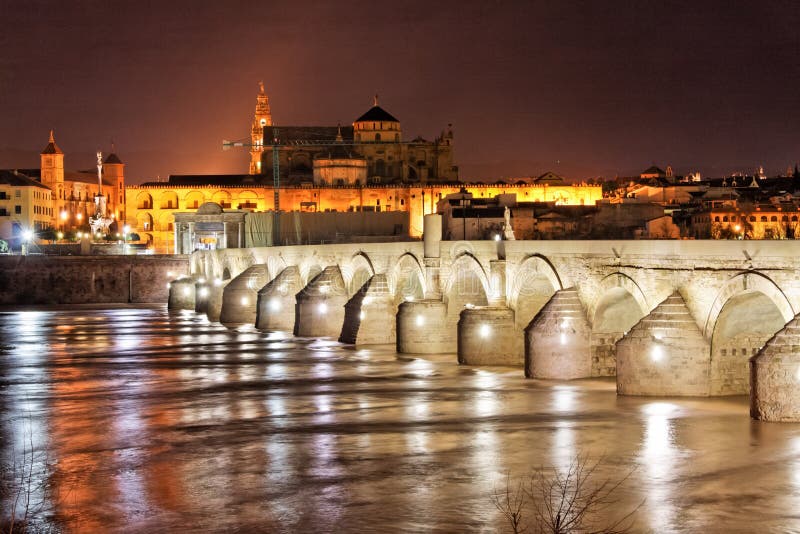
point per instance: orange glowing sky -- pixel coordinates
(580, 88)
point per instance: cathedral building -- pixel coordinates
(52, 197)
(367, 166)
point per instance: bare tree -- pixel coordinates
(555, 501)
(25, 490)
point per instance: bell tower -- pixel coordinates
(114, 172)
(52, 172)
(262, 118)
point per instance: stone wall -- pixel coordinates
(28, 280)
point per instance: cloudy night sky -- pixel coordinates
(584, 89)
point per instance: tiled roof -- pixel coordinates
(377, 114)
(17, 179)
(309, 135)
(112, 159)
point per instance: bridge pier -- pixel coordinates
(214, 304)
(369, 317)
(558, 339)
(487, 335)
(422, 328)
(319, 308)
(201, 292)
(775, 377)
(239, 298)
(182, 294)
(276, 301)
(664, 354)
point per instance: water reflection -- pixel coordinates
(150, 421)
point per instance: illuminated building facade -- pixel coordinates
(25, 204)
(69, 200)
(363, 167)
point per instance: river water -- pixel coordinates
(141, 420)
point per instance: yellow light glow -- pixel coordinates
(485, 330)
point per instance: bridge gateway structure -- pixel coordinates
(686, 318)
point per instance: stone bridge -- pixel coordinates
(695, 318)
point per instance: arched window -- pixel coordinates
(752, 218)
(785, 218)
(794, 218)
(733, 218)
(716, 219)
(380, 167)
(763, 218)
(725, 218)
(774, 218)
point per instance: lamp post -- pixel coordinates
(27, 236)
(125, 231)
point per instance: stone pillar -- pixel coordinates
(224, 235)
(240, 296)
(181, 294)
(775, 377)
(177, 236)
(201, 291)
(369, 317)
(319, 309)
(432, 235)
(276, 301)
(191, 245)
(422, 328)
(432, 240)
(664, 354)
(558, 339)
(487, 336)
(214, 304)
(497, 282)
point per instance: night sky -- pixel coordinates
(584, 89)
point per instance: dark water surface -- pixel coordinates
(138, 420)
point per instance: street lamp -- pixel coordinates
(125, 231)
(27, 236)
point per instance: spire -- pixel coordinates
(339, 137)
(52, 147)
(261, 87)
(375, 100)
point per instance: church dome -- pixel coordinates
(209, 208)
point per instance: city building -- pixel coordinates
(364, 167)
(25, 204)
(52, 197)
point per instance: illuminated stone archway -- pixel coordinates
(407, 280)
(620, 306)
(747, 312)
(357, 272)
(534, 284)
(467, 285)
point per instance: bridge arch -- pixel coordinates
(744, 282)
(407, 279)
(621, 304)
(749, 309)
(535, 281)
(616, 293)
(309, 268)
(357, 271)
(467, 284)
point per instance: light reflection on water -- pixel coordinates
(151, 421)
